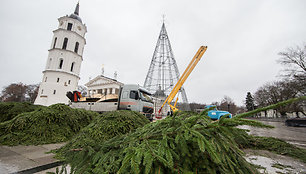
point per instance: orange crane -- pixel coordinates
(183, 78)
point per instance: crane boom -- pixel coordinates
(183, 78)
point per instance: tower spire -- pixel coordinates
(76, 11)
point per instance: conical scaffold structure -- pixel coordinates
(163, 71)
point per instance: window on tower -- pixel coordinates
(72, 66)
(76, 48)
(57, 80)
(65, 43)
(60, 66)
(54, 91)
(50, 60)
(69, 27)
(54, 42)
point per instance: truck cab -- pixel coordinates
(216, 114)
(133, 97)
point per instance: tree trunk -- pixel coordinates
(283, 114)
(297, 114)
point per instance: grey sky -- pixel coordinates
(243, 39)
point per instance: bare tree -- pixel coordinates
(294, 61)
(15, 92)
(272, 93)
(31, 92)
(194, 106)
(82, 90)
(261, 96)
(19, 92)
(228, 104)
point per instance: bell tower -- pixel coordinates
(64, 60)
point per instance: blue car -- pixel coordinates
(216, 114)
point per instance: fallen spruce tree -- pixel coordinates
(185, 143)
(45, 125)
(274, 145)
(9, 110)
(104, 127)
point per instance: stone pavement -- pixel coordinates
(17, 158)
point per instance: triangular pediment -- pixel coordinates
(100, 80)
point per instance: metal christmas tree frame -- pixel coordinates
(163, 72)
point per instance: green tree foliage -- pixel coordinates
(273, 145)
(104, 127)
(53, 124)
(185, 143)
(9, 110)
(249, 102)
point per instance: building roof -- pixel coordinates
(102, 80)
(75, 15)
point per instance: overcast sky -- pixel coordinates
(243, 39)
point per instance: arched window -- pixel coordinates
(72, 66)
(54, 44)
(76, 48)
(60, 66)
(49, 64)
(65, 43)
(69, 27)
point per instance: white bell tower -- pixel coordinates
(64, 61)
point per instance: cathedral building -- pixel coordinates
(103, 87)
(64, 60)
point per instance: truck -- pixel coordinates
(131, 97)
(215, 114)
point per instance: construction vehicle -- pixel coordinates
(182, 79)
(131, 97)
(213, 114)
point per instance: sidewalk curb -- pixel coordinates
(40, 168)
